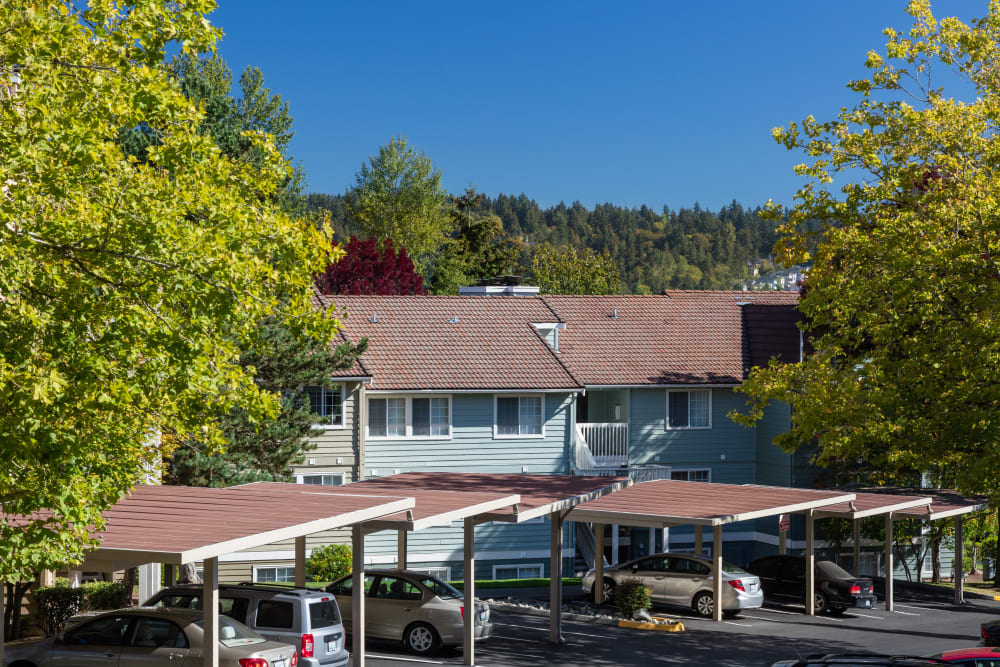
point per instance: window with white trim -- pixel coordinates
(519, 571)
(518, 416)
(692, 475)
(327, 404)
(442, 573)
(399, 417)
(269, 574)
(321, 478)
(689, 409)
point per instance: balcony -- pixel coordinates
(601, 445)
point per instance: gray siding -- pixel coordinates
(774, 467)
(333, 444)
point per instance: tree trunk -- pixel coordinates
(131, 575)
(996, 561)
(188, 575)
(14, 594)
(902, 561)
(936, 561)
(975, 558)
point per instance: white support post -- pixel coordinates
(810, 563)
(614, 544)
(699, 548)
(358, 594)
(401, 536)
(717, 572)
(652, 540)
(300, 561)
(889, 566)
(857, 547)
(210, 607)
(555, 579)
(75, 578)
(958, 565)
(3, 615)
(598, 563)
(469, 594)
(665, 538)
(149, 581)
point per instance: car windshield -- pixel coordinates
(832, 570)
(233, 633)
(440, 589)
(323, 613)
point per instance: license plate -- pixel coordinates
(280, 662)
(331, 647)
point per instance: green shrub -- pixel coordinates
(632, 595)
(57, 604)
(101, 595)
(328, 563)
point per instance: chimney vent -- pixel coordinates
(453, 320)
(374, 319)
(614, 314)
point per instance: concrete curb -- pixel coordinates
(671, 626)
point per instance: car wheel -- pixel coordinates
(421, 638)
(609, 591)
(703, 604)
(820, 604)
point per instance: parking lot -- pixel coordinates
(920, 625)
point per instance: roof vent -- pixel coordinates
(374, 319)
(614, 314)
(453, 320)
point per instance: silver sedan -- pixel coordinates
(140, 637)
(684, 580)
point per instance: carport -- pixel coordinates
(177, 525)
(540, 495)
(665, 503)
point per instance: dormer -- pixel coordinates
(550, 332)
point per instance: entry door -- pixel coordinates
(686, 576)
(652, 572)
(394, 604)
(94, 644)
(792, 579)
(343, 591)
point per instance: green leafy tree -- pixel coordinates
(569, 270)
(478, 249)
(397, 195)
(901, 298)
(128, 288)
(329, 562)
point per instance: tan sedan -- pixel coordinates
(422, 611)
(148, 637)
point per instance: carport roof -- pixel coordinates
(943, 503)
(177, 524)
(539, 494)
(874, 504)
(672, 502)
(431, 508)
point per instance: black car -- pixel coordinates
(783, 579)
(858, 660)
(990, 633)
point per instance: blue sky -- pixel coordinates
(657, 103)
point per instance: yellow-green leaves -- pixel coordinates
(126, 287)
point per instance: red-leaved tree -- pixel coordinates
(369, 269)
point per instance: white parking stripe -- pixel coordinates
(905, 613)
(908, 606)
(402, 658)
(742, 625)
(565, 632)
(761, 618)
(780, 611)
(855, 613)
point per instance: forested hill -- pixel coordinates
(688, 248)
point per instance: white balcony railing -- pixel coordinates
(635, 473)
(601, 445)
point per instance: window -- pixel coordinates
(442, 573)
(530, 571)
(693, 475)
(327, 404)
(518, 417)
(107, 631)
(689, 409)
(322, 479)
(323, 613)
(275, 614)
(419, 417)
(274, 574)
(394, 588)
(157, 632)
(346, 585)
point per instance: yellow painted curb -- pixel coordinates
(996, 597)
(672, 626)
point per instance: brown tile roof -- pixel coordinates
(416, 342)
(679, 337)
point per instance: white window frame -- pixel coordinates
(258, 568)
(666, 421)
(408, 410)
(434, 571)
(540, 566)
(689, 471)
(527, 436)
(300, 475)
(343, 407)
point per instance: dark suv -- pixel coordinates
(307, 619)
(783, 579)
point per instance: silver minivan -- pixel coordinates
(684, 580)
(307, 619)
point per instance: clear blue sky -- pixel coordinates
(627, 102)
